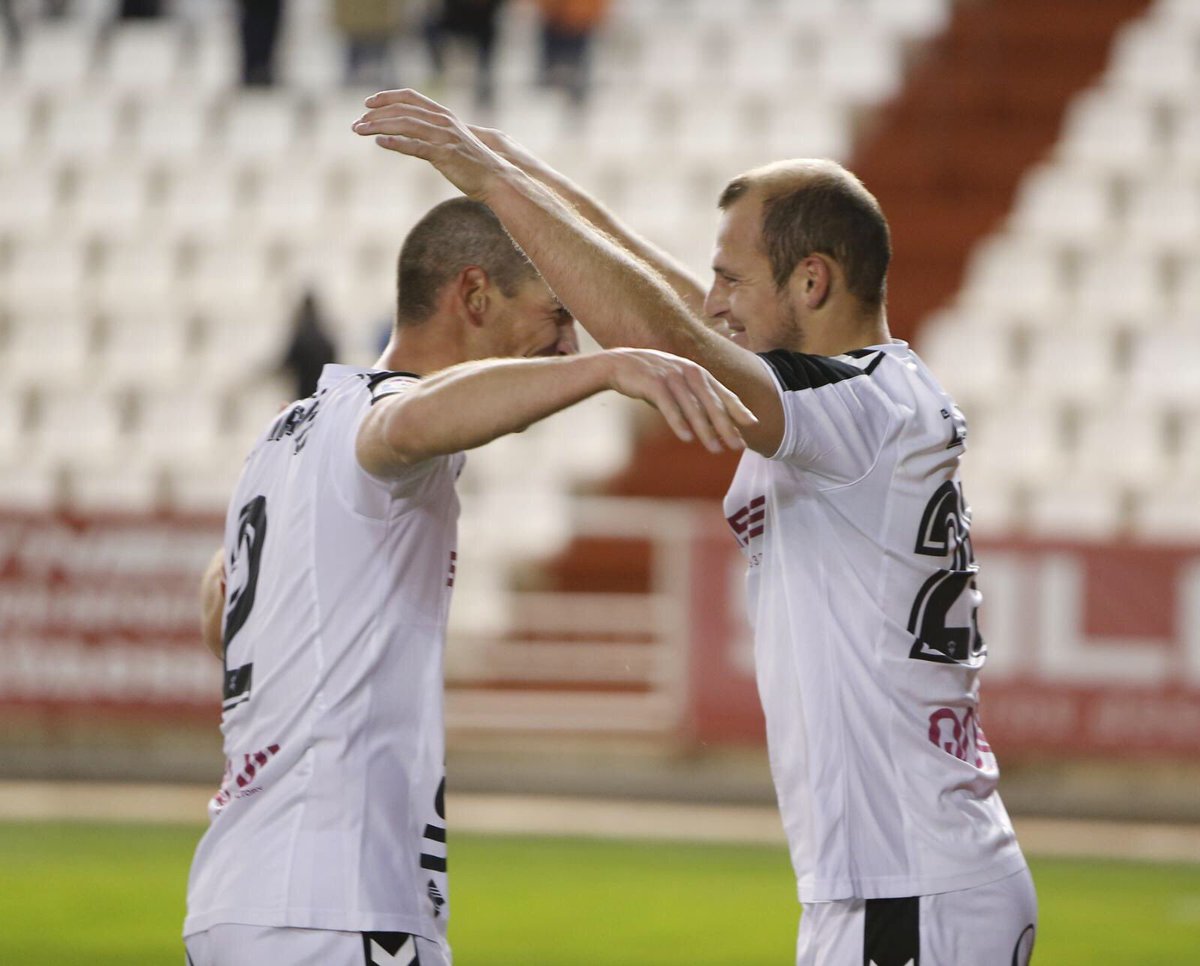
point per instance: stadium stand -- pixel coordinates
(158, 233)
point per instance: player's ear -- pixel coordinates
(812, 281)
(475, 293)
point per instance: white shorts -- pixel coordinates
(233, 944)
(991, 925)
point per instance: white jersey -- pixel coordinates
(862, 593)
(331, 814)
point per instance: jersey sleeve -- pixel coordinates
(377, 496)
(835, 418)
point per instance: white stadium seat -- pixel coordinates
(1110, 131)
(144, 56)
(175, 129)
(84, 130)
(57, 55)
(1063, 205)
(1164, 211)
(29, 198)
(258, 126)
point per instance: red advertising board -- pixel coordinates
(1092, 649)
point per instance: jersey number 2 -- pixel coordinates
(243, 580)
(943, 618)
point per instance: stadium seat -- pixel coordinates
(17, 108)
(202, 200)
(29, 485)
(1063, 205)
(258, 126)
(1018, 442)
(1152, 58)
(78, 423)
(113, 198)
(807, 129)
(973, 356)
(173, 129)
(116, 484)
(1020, 277)
(57, 55)
(1135, 431)
(46, 272)
(1163, 370)
(1120, 285)
(54, 338)
(1075, 365)
(88, 128)
(29, 198)
(143, 56)
(1109, 131)
(177, 422)
(286, 203)
(1076, 507)
(138, 275)
(858, 63)
(1164, 211)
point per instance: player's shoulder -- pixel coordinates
(800, 371)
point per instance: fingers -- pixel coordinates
(694, 404)
(404, 96)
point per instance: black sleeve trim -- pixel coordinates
(373, 382)
(796, 371)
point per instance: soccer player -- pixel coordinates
(328, 603)
(848, 506)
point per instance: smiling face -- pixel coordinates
(532, 322)
(760, 316)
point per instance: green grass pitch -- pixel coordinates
(104, 895)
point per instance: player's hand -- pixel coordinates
(410, 123)
(693, 402)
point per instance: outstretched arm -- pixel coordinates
(614, 294)
(473, 403)
(673, 271)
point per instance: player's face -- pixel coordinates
(533, 323)
(758, 315)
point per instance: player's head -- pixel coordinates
(802, 247)
(458, 266)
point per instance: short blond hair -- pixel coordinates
(816, 206)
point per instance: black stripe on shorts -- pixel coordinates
(892, 932)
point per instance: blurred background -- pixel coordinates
(188, 226)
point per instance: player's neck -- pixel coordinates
(852, 331)
(420, 350)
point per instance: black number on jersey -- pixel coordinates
(435, 832)
(943, 620)
(243, 569)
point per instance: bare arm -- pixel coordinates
(473, 403)
(673, 272)
(616, 296)
(212, 604)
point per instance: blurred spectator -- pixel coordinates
(140, 9)
(260, 29)
(310, 348)
(13, 13)
(368, 27)
(567, 30)
(12, 29)
(475, 22)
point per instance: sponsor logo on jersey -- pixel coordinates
(749, 521)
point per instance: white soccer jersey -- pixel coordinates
(331, 814)
(861, 589)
